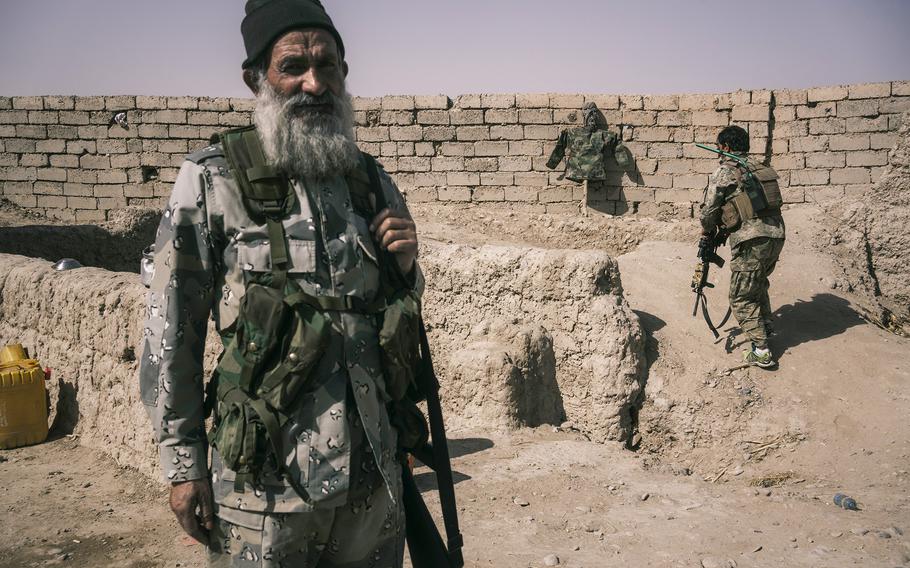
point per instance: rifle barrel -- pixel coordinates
(722, 153)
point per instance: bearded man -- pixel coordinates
(287, 219)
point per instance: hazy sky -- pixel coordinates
(193, 47)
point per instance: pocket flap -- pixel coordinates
(256, 256)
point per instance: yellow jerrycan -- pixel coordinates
(23, 399)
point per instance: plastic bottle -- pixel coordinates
(845, 502)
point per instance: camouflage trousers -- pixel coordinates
(753, 261)
(361, 534)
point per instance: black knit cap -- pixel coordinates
(266, 20)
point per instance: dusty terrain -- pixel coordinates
(734, 468)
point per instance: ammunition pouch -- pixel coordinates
(399, 340)
(758, 196)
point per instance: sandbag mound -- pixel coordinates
(871, 242)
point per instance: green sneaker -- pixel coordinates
(764, 361)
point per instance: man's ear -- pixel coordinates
(344, 68)
(249, 77)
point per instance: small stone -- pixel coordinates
(644, 496)
(583, 509)
(738, 471)
(520, 502)
(896, 531)
(837, 534)
(860, 532)
(883, 534)
(717, 563)
(567, 425)
(551, 560)
(767, 492)
(576, 548)
(757, 548)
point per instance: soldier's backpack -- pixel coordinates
(758, 196)
(281, 331)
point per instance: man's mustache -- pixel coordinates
(305, 102)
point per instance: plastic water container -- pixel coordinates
(23, 399)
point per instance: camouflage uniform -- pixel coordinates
(339, 443)
(585, 147)
(756, 247)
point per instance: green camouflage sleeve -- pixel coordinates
(559, 152)
(179, 303)
(720, 184)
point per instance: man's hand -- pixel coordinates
(186, 497)
(397, 234)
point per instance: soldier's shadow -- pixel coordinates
(822, 316)
(609, 195)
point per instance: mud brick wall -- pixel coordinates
(61, 156)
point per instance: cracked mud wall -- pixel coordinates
(871, 244)
(559, 339)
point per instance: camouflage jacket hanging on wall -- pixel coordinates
(584, 149)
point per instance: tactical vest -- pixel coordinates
(281, 331)
(758, 194)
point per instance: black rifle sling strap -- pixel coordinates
(703, 300)
(430, 389)
(440, 449)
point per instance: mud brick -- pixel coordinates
(868, 158)
(557, 194)
(201, 117)
(183, 131)
(693, 181)
(677, 196)
(373, 134)
(869, 90)
(506, 132)
(221, 104)
(809, 177)
(790, 97)
(185, 103)
(469, 133)
(439, 133)
(900, 88)
(751, 112)
(827, 94)
(36, 160)
(367, 103)
(432, 102)
(697, 102)
(514, 164)
(488, 193)
(568, 117)
(497, 100)
(55, 201)
(447, 164)
(20, 146)
(152, 131)
(813, 143)
(470, 101)
(465, 117)
(89, 103)
(397, 102)
(481, 164)
(792, 129)
(397, 117)
(406, 133)
(535, 116)
(119, 102)
(879, 124)
(868, 108)
(457, 149)
(7, 159)
(883, 140)
(424, 149)
(23, 200)
(28, 103)
(785, 162)
(631, 102)
(826, 160)
(6, 103)
(665, 182)
(81, 202)
(233, 119)
(405, 148)
(51, 146)
(51, 174)
(827, 126)
(710, 118)
(674, 118)
(541, 132)
(639, 118)
(414, 164)
(526, 148)
(433, 117)
(13, 117)
(531, 178)
(463, 178)
(532, 100)
(895, 105)
(652, 134)
(817, 110)
(661, 102)
(501, 116)
(81, 176)
(174, 116)
(151, 103)
(521, 193)
(425, 179)
(664, 150)
(130, 160)
(65, 161)
(497, 178)
(850, 175)
(454, 193)
(243, 104)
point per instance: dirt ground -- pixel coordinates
(734, 468)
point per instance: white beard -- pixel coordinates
(306, 143)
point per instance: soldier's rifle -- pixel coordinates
(752, 187)
(707, 255)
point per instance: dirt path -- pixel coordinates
(734, 469)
